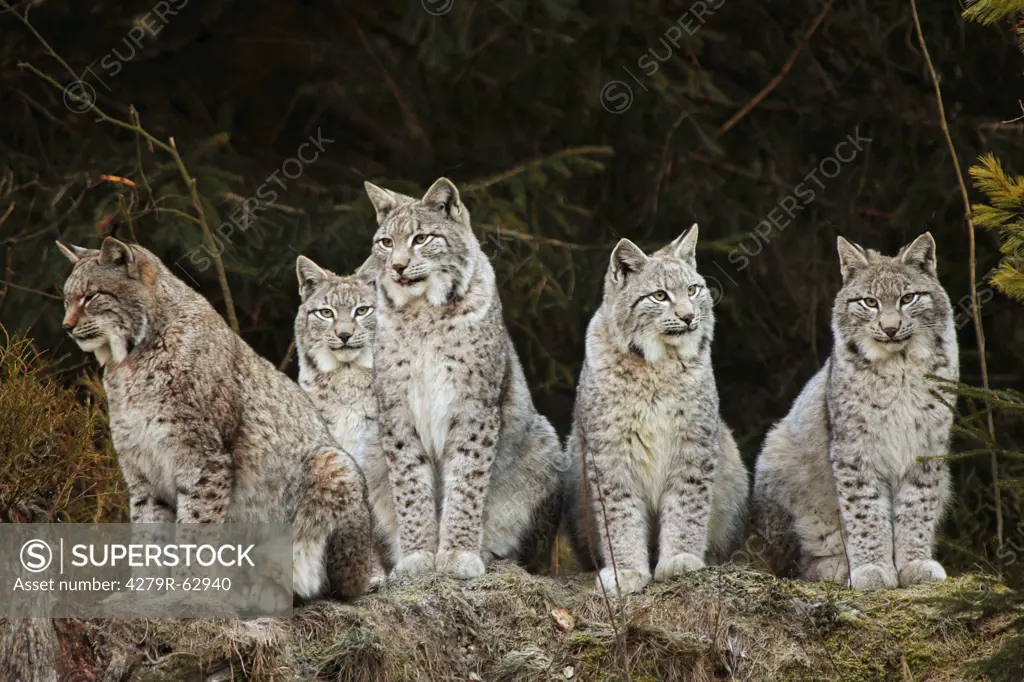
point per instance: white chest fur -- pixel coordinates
(431, 395)
(905, 419)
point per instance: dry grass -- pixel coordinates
(56, 463)
(717, 624)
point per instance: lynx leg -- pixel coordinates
(619, 511)
(917, 510)
(470, 451)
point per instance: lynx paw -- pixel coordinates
(417, 563)
(922, 571)
(677, 565)
(463, 565)
(629, 581)
(873, 577)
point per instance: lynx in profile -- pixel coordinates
(663, 473)
(476, 472)
(206, 431)
(854, 458)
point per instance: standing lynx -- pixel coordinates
(206, 431)
(853, 459)
(476, 472)
(662, 470)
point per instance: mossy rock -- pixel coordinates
(717, 623)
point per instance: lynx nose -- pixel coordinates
(400, 267)
(687, 318)
(344, 336)
(890, 331)
(68, 327)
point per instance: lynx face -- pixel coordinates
(423, 247)
(660, 303)
(107, 298)
(336, 319)
(888, 303)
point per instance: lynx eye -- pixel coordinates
(324, 313)
(363, 310)
(421, 239)
(907, 299)
(693, 290)
(386, 242)
(869, 302)
(659, 296)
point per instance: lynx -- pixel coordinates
(662, 472)
(847, 487)
(476, 472)
(334, 332)
(334, 343)
(206, 431)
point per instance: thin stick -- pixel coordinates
(979, 330)
(774, 82)
(590, 545)
(136, 127)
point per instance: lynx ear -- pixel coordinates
(115, 252)
(851, 258)
(384, 200)
(684, 246)
(627, 258)
(920, 252)
(310, 276)
(75, 253)
(445, 197)
(367, 272)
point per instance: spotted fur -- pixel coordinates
(206, 431)
(846, 485)
(663, 473)
(476, 472)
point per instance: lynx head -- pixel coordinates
(659, 304)
(423, 247)
(336, 318)
(888, 303)
(109, 298)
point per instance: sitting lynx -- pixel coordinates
(207, 431)
(334, 344)
(334, 332)
(852, 459)
(661, 463)
(458, 428)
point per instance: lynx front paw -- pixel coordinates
(417, 563)
(922, 571)
(873, 577)
(677, 565)
(462, 565)
(629, 581)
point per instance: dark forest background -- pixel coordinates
(568, 124)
